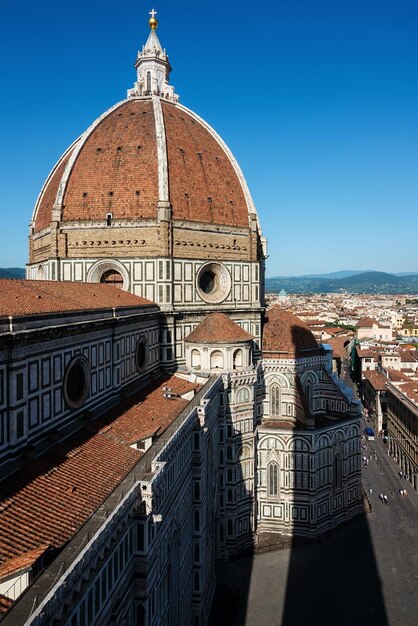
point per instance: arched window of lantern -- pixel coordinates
(195, 358)
(238, 359)
(149, 82)
(216, 360)
(273, 480)
(275, 400)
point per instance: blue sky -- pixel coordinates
(317, 100)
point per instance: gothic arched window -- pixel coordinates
(338, 471)
(275, 400)
(243, 395)
(273, 480)
(309, 394)
(149, 82)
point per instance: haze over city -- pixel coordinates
(316, 101)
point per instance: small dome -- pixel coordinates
(286, 336)
(218, 328)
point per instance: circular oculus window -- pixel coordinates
(77, 382)
(141, 353)
(213, 282)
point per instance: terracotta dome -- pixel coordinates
(151, 200)
(218, 328)
(286, 336)
(140, 152)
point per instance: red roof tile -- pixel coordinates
(49, 498)
(218, 328)
(338, 345)
(366, 322)
(377, 379)
(22, 562)
(146, 414)
(30, 297)
(5, 604)
(397, 376)
(285, 335)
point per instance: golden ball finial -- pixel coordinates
(152, 21)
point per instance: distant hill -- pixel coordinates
(364, 282)
(12, 272)
(340, 274)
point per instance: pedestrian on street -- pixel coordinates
(381, 497)
(385, 498)
(370, 491)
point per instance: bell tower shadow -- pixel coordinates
(236, 513)
(333, 577)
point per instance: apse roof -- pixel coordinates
(286, 336)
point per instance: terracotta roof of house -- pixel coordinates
(366, 322)
(338, 345)
(410, 389)
(30, 297)
(47, 500)
(286, 336)
(407, 356)
(333, 330)
(218, 328)
(315, 322)
(396, 376)
(376, 379)
(366, 352)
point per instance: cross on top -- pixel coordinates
(153, 13)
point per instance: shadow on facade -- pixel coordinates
(236, 519)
